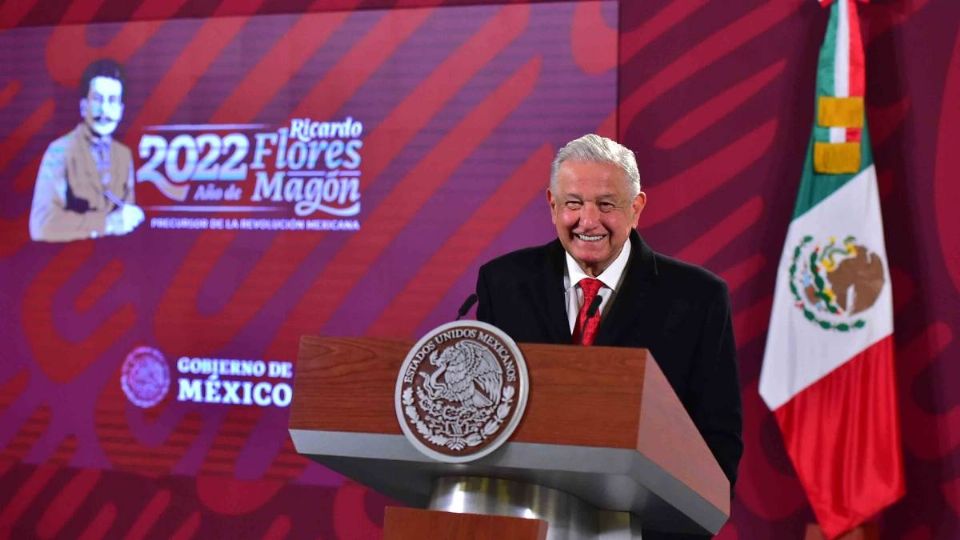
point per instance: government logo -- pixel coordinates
(145, 377)
(461, 391)
(833, 282)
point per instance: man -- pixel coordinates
(599, 283)
(84, 186)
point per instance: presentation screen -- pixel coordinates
(184, 198)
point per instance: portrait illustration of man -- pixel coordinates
(84, 186)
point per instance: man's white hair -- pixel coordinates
(596, 149)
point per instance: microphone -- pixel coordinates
(467, 304)
(594, 306)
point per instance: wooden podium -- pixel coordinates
(602, 428)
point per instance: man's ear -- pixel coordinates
(83, 107)
(638, 204)
(553, 206)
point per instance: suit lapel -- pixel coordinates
(635, 290)
(82, 174)
(552, 311)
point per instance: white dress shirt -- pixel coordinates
(611, 277)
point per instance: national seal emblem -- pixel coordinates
(461, 391)
(145, 377)
(834, 281)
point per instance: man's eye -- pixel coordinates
(574, 205)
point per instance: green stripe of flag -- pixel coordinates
(828, 53)
(817, 187)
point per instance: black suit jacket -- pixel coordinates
(678, 311)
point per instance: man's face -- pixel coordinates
(102, 109)
(594, 212)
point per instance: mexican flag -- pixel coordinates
(828, 365)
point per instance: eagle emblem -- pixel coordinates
(461, 391)
(470, 375)
(835, 281)
(145, 377)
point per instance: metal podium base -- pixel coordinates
(569, 518)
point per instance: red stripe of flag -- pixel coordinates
(857, 63)
(843, 435)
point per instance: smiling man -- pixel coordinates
(599, 283)
(84, 186)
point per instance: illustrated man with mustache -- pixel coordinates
(84, 186)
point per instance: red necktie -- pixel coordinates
(585, 330)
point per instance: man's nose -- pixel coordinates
(589, 213)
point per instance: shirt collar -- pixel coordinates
(93, 138)
(610, 277)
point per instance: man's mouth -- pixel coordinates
(589, 237)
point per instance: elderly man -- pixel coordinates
(599, 283)
(84, 186)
